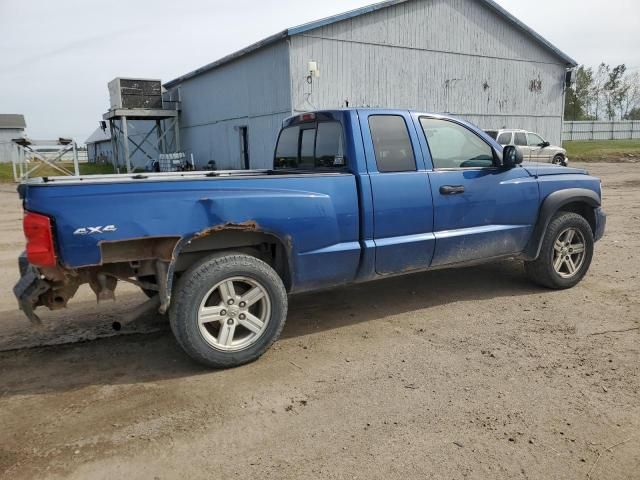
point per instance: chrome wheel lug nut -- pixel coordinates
(231, 302)
(242, 316)
(243, 304)
(223, 312)
(230, 321)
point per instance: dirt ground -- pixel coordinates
(465, 374)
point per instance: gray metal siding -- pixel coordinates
(8, 149)
(101, 152)
(452, 56)
(220, 141)
(462, 26)
(253, 91)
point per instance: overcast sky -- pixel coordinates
(56, 57)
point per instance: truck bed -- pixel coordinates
(154, 176)
(317, 213)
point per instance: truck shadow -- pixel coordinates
(156, 357)
(319, 311)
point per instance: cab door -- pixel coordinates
(481, 210)
(402, 202)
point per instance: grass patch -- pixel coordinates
(603, 150)
(6, 170)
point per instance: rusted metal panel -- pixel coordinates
(138, 249)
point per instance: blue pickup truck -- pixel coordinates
(354, 195)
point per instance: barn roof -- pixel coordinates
(363, 11)
(12, 121)
(99, 136)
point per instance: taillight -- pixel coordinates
(37, 229)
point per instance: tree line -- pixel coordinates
(604, 93)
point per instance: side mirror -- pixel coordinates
(511, 156)
(545, 144)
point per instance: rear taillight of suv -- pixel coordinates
(39, 234)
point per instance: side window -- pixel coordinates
(453, 146)
(392, 144)
(534, 140)
(287, 149)
(520, 139)
(329, 145)
(505, 138)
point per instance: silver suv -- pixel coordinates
(534, 147)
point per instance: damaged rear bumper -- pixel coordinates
(30, 288)
(53, 287)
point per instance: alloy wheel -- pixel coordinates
(569, 253)
(234, 314)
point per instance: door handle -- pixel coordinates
(452, 189)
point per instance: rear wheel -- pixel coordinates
(566, 253)
(228, 310)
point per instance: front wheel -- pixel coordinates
(228, 310)
(566, 253)
(559, 160)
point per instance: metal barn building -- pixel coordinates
(100, 148)
(11, 127)
(470, 58)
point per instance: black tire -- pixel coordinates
(195, 284)
(558, 160)
(542, 270)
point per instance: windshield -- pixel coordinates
(492, 133)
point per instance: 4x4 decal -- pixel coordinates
(95, 230)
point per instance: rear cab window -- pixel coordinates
(311, 146)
